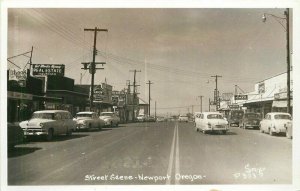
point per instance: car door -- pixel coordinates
(197, 120)
(57, 124)
(201, 117)
(65, 122)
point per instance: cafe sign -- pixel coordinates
(241, 97)
(48, 69)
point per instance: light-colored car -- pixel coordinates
(87, 120)
(160, 119)
(275, 122)
(49, 123)
(210, 122)
(141, 118)
(110, 119)
(183, 118)
(150, 119)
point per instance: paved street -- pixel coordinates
(153, 153)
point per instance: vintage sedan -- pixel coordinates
(110, 119)
(141, 118)
(88, 120)
(250, 120)
(183, 118)
(48, 123)
(210, 122)
(275, 122)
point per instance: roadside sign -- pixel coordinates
(234, 106)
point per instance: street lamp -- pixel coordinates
(279, 19)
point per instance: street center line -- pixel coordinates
(177, 167)
(169, 172)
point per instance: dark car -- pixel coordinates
(15, 135)
(250, 120)
(235, 117)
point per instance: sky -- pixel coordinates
(177, 49)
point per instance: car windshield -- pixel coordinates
(214, 116)
(42, 116)
(79, 115)
(251, 115)
(106, 114)
(282, 116)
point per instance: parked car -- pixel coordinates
(141, 118)
(289, 129)
(210, 122)
(183, 118)
(87, 120)
(15, 135)
(160, 119)
(48, 123)
(235, 117)
(250, 120)
(275, 122)
(110, 119)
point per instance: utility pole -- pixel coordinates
(92, 65)
(216, 93)
(287, 14)
(208, 104)
(201, 102)
(192, 109)
(149, 83)
(134, 92)
(155, 110)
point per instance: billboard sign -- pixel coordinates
(18, 75)
(48, 69)
(241, 97)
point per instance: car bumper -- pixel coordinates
(34, 132)
(279, 130)
(81, 126)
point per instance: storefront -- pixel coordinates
(270, 95)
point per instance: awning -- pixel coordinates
(281, 103)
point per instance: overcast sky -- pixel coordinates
(177, 49)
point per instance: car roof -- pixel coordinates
(51, 111)
(85, 112)
(107, 112)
